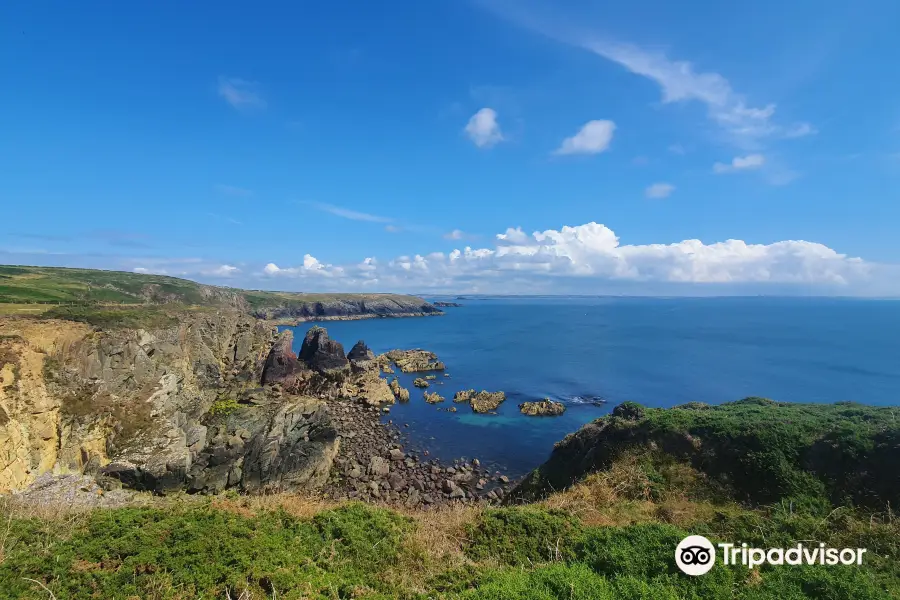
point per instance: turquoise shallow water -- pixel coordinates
(659, 352)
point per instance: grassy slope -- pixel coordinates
(612, 535)
(127, 299)
(609, 537)
(759, 450)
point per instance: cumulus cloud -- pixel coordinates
(593, 252)
(740, 163)
(594, 137)
(483, 129)
(659, 190)
(224, 271)
(240, 93)
(310, 266)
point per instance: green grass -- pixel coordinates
(103, 297)
(819, 455)
(359, 551)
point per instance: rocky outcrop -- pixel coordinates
(360, 354)
(485, 402)
(321, 353)
(441, 304)
(400, 392)
(415, 361)
(543, 408)
(147, 406)
(464, 395)
(282, 365)
(433, 397)
(420, 383)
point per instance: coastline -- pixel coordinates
(296, 321)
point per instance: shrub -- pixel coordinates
(522, 535)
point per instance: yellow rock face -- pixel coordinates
(29, 413)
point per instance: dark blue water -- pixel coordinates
(659, 352)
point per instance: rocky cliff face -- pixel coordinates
(374, 305)
(175, 408)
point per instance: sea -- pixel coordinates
(594, 353)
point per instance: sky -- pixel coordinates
(458, 146)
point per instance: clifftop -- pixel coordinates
(36, 290)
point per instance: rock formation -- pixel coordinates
(321, 353)
(415, 361)
(163, 409)
(420, 383)
(485, 401)
(433, 397)
(360, 354)
(545, 407)
(464, 395)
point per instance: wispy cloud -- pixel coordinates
(233, 190)
(346, 213)
(594, 137)
(659, 190)
(740, 163)
(393, 228)
(677, 149)
(241, 94)
(743, 122)
(225, 218)
(483, 128)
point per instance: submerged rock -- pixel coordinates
(414, 361)
(545, 407)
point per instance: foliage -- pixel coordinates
(224, 407)
(521, 535)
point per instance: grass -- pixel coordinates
(756, 450)
(122, 299)
(291, 547)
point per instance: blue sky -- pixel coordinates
(359, 145)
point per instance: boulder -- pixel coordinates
(545, 407)
(321, 353)
(378, 467)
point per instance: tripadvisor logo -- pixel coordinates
(696, 555)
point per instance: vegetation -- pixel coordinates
(606, 538)
(120, 299)
(760, 451)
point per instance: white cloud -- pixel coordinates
(593, 252)
(456, 234)
(347, 213)
(311, 266)
(740, 163)
(393, 228)
(142, 270)
(594, 137)
(677, 149)
(483, 128)
(659, 190)
(224, 271)
(241, 94)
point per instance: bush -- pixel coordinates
(522, 535)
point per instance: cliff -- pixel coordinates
(174, 407)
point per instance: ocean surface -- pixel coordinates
(656, 351)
